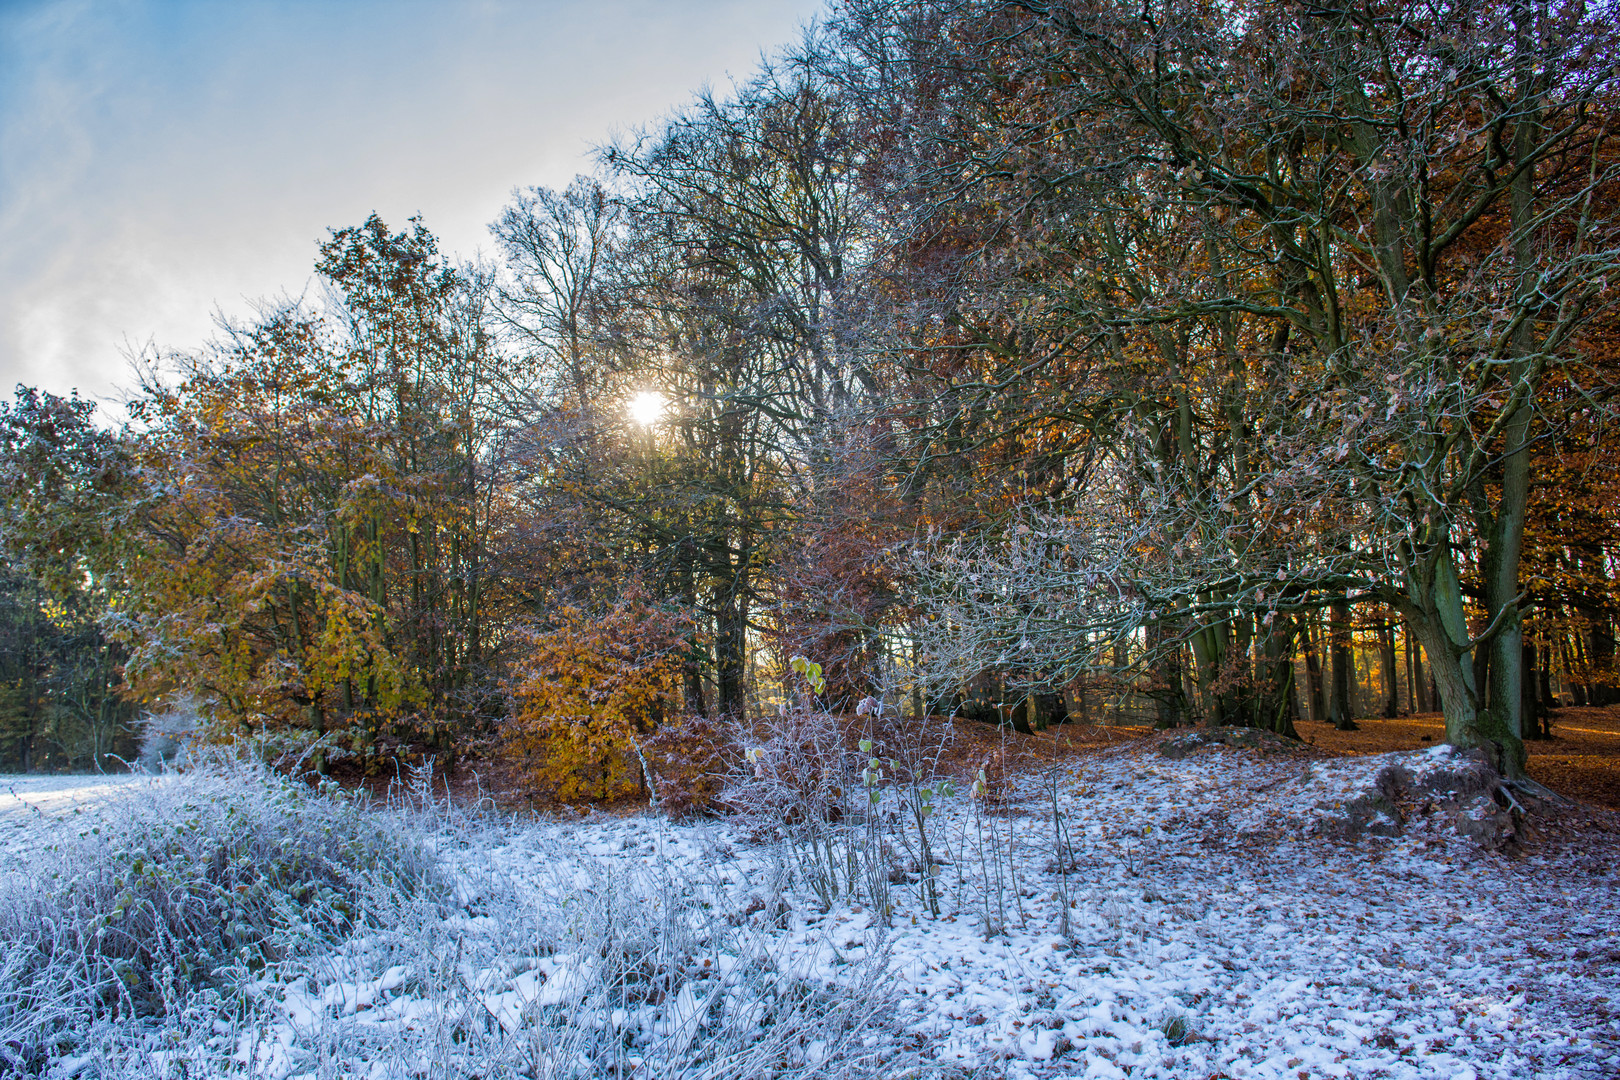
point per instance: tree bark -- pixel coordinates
(1386, 636)
(1313, 669)
(1340, 709)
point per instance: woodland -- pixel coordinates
(1024, 360)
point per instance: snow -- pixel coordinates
(1212, 922)
(22, 795)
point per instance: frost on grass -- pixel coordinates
(168, 897)
(1207, 917)
(228, 922)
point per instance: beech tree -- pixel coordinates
(1386, 226)
(320, 500)
(727, 293)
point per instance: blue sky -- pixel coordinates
(159, 160)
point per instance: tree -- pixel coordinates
(317, 552)
(558, 248)
(71, 499)
(1391, 224)
(726, 292)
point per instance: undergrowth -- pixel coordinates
(230, 922)
(185, 887)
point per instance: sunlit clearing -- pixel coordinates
(647, 407)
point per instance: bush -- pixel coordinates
(692, 759)
(285, 931)
(590, 688)
(187, 885)
(167, 737)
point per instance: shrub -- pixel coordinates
(590, 687)
(189, 885)
(167, 736)
(692, 758)
(566, 966)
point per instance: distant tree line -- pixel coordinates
(1003, 350)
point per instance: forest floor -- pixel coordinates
(1123, 903)
(1580, 761)
(1219, 913)
(1215, 912)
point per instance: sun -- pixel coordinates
(647, 407)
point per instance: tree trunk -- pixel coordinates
(1386, 636)
(1531, 708)
(1600, 660)
(1411, 682)
(1275, 693)
(1313, 669)
(1433, 605)
(1580, 671)
(1506, 537)
(1340, 710)
(1168, 693)
(1424, 695)
(730, 657)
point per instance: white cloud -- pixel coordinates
(159, 158)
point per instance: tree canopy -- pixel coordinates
(1013, 343)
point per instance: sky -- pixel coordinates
(162, 161)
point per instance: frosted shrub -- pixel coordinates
(691, 758)
(796, 788)
(230, 923)
(166, 736)
(188, 885)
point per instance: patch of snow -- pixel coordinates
(1207, 919)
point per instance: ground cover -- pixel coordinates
(1194, 910)
(1581, 760)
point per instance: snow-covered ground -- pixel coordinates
(22, 794)
(1208, 935)
(1205, 922)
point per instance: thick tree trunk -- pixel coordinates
(1580, 676)
(1600, 649)
(1531, 708)
(1549, 701)
(1411, 682)
(692, 689)
(1506, 537)
(1434, 608)
(1168, 693)
(1209, 645)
